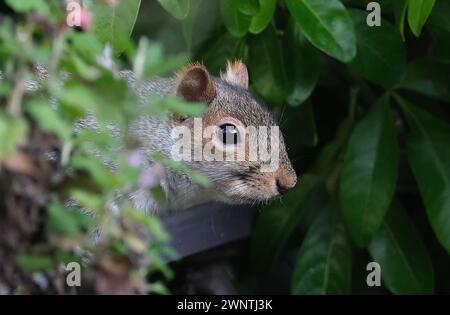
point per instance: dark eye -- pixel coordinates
(229, 134)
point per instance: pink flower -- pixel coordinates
(85, 19)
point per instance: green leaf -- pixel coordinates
(12, 132)
(180, 167)
(381, 56)
(327, 25)
(324, 263)
(429, 77)
(223, 48)
(67, 221)
(369, 173)
(114, 23)
(428, 150)
(267, 70)
(203, 19)
(24, 6)
(439, 26)
(177, 8)
(249, 7)
(302, 65)
(406, 267)
(263, 17)
(418, 12)
(278, 221)
(235, 21)
(34, 263)
(49, 119)
(400, 7)
(175, 105)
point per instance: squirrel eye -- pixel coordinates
(228, 134)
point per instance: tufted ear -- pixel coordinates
(236, 74)
(194, 84)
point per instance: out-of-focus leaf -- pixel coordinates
(235, 21)
(86, 199)
(406, 267)
(327, 25)
(12, 132)
(24, 6)
(302, 65)
(429, 77)
(114, 23)
(263, 17)
(324, 263)
(418, 12)
(267, 66)
(98, 170)
(177, 8)
(369, 173)
(49, 119)
(67, 221)
(400, 7)
(439, 26)
(34, 263)
(428, 150)
(175, 105)
(180, 167)
(381, 56)
(278, 221)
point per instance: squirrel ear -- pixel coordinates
(236, 74)
(194, 84)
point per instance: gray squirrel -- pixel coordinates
(230, 108)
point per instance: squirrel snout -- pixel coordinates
(285, 181)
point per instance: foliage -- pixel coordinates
(81, 77)
(364, 112)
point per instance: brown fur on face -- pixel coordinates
(241, 181)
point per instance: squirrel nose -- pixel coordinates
(285, 181)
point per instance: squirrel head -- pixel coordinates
(242, 152)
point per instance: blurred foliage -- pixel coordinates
(364, 111)
(81, 77)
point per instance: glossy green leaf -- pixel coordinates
(114, 24)
(418, 12)
(302, 65)
(381, 56)
(278, 221)
(324, 263)
(400, 7)
(428, 150)
(369, 173)
(235, 21)
(429, 77)
(439, 26)
(267, 67)
(249, 7)
(327, 25)
(406, 266)
(263, 17)
(177, 8)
